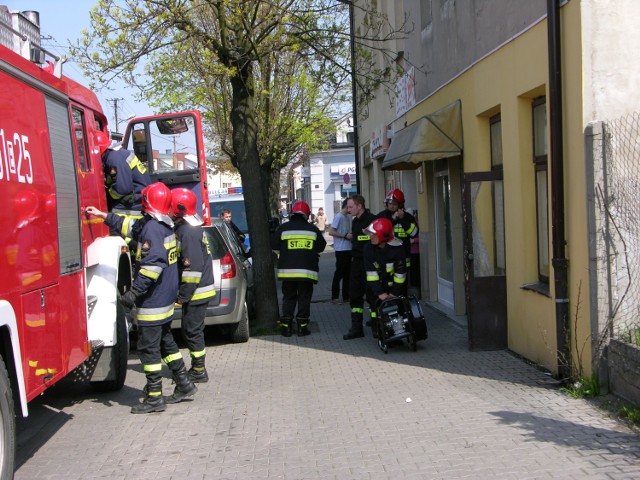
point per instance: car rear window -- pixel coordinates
(216, 243)
(238, 215)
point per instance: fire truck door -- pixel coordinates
(171, 146)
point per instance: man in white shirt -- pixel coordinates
(339, 229)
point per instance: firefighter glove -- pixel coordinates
(129, 299)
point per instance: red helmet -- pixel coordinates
(383, 229)
(102, 140)
(156, 201)
(184, 202)
(301, 208)
(395, 195)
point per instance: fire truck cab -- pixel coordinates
(61, 272)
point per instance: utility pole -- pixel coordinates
(114, 101)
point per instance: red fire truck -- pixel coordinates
(61, 273)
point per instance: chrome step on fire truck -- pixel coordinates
(61, 273)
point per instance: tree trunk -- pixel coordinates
(245, 145)
(271, 182)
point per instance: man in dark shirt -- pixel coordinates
(362, 218)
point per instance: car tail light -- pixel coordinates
(227, 266)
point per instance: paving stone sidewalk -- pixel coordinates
(319, 407)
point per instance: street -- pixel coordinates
(320, 407)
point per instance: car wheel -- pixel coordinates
(251, 303)
(240, 333)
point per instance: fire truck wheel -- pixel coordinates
(120, 354)
(7, 419)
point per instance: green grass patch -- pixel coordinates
(583, 387)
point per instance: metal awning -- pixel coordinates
(434, 136)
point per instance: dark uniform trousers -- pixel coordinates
(300, 293)
(342, 273)
(358, 290)
(156, 343)
(193, 326)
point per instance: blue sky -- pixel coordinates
(62, 21)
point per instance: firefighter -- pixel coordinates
(405, 226)
(299, 244)
(125, 176)
(154, 292)
(196, 278)
(384, 263)
(362, 218)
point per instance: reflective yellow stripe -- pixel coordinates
(148, 273)
(362, 238)
(154, 367)
(205, 292)
(357, 310)
(189, 279)
(154, 314)
(172, 357)
(113, 194)
(373, 277)
(199, 354)
(297, 275)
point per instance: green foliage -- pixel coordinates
(181, 55)
(623, 410)
(632, 336)
(631, 413)
(583, 387)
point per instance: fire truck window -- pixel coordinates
(140, 143)
(174, 143)
(80, 138)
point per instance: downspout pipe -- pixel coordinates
(354, 96)
(354, 91)
(556, 147)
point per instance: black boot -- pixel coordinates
(356, 328)
(303, 327)
(285, 327)
(198, 372)
(153, 400)
(184, 387)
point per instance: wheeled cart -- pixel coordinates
(400, 318)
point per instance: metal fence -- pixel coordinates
(614, 227)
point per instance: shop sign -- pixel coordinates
(406, 92)
(379, 142)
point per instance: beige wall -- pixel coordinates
(506, 82)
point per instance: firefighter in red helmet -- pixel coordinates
(405, 226)
(125, 175)
(196, 278)
(299, 244)
(153, 292)
(384, 264)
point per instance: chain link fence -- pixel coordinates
(614, 228)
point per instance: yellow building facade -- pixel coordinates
(485, 213)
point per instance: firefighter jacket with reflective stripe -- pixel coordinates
(156, 270)
(404, 228)
(125, 177)
(360, 239)
(194, 264)
(299, 243)
(386, 268)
